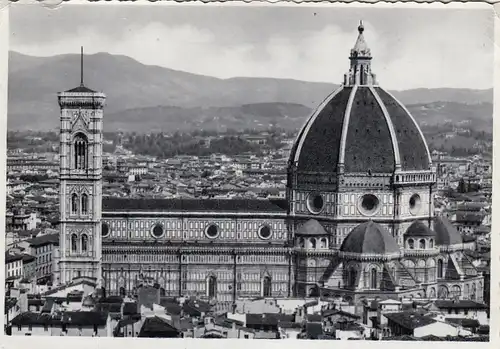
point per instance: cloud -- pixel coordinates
(409, 52)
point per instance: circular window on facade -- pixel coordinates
(368, 204)
(104, 230)
(157, 230)
(315, 203)
(212, 231)
(415, 204)
(265, 232)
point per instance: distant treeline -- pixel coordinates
(161, 145)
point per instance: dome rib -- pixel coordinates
(413, 148)
(345, 125)
(318, 148)
(299, 142)
(392, 132)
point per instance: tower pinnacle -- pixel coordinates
(81, 66)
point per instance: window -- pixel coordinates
(266, 287)
(324, 243)
(80, 152)
(104, 229)
(74, 243)
(74, 204)
(212, 287)
(265, 232)
(302, 243)
(85, 203)
(431, 243)
(440, 268)
(313, 242)
(157, 230)
(212, 231)
(369, 204)
(351, 277)
(84, 243)
(415, 204)
(411, 244)
(315, 203)
(456, 291)
(373, 278)
(421, 244)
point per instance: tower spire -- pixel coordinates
(81, 66)
(360, 70)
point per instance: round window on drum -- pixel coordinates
(315, 203)
(212, 231)
(157, 231)
(368, 204)
(265, 232)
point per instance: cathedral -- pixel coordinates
(358, 220)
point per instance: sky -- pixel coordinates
(411, 47)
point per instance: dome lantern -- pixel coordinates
(360, 71)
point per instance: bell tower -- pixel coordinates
(80, 154)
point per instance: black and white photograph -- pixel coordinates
(251, 171)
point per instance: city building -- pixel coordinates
(357, 221)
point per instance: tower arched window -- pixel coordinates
(74, 204)
(302, 243)
(80, 152)
(431, 243)
(266, 287)
(373, 278)
(440, 268)
(85, 204)
(421, 244)
(74, 243)
(212, 287)
(85, 242)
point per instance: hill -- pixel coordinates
(157, 94)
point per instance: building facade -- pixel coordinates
(358, 220)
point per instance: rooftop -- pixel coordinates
(410, 320)
(194, 205)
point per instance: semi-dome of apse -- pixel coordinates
(370, 238)
(360, 127)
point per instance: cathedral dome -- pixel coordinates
(446, 233)
(419, 229)
(370, 239)
(360, 128)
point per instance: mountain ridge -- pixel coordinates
(131, 85)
